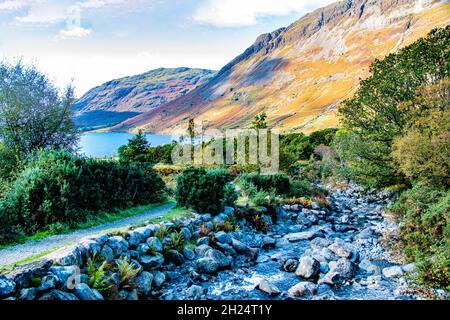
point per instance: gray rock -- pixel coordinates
(151, 262)
(206, 217)
(239, 246)
(269, 288)
(223, 237)
(229, 211)
(332, 278)
(300, 236)
(207, 265)
(188, 253)
(268, 242)
(118, 245)
(138, 236)
(226, 248)
(366, 233)
(28, 294)
(144, 283)
(303, 289)
(84, 292)
(69, 256)
(308, 267)
(187, 234)
(290, 265)
(319, 243)
(143, 249)
(7, 286)
(222, 260)
(369, 267)
(392, 272)
(159, 278)
(344, 267)
(155, 244)
(408, 268)
(67, 277)
(175, 257)
(92, 247)
(59, 295)
(341, 249)
(202, 241)
(202, 249)
(48, 282)
(196, 292)
(315, 206)
(107, 253)
(23, 275)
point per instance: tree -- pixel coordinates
(34, 114)
(376, 114)
(259, 121)
(137, 149)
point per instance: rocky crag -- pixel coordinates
(310, 252)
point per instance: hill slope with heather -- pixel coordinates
(120, 99)
(298, 75)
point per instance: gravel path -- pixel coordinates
(22, 251)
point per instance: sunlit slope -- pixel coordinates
(298, 75)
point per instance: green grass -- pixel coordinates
(176, 212)
(93, 221)
(10, 267)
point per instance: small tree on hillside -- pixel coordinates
(137, 149)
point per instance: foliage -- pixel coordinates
(177, 240)
(98, 276)
(58, 187)
(136, 150)
(259, 121)
(162, 232)
(34, 114)
(425, 231)
(279, 182)
(203, 190)
(379, 111)
(127, 271)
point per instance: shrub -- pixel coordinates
(425, 231)
(203, 190)
(58, 187)
(127, 271)
(98, 276)
(279, 182)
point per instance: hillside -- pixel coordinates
(298, 75)
(120, 99)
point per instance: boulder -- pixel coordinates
(107, 253)
(23, 275)
(151, 262)
(48, 282)
(67, 277)
(28, 294)
(268, 242)
(319, 243)
(187, 234)
(341, 249)
(202, 241)
(143, 283)
(269, 288)
(207, 265)
(7, 286)
(159, 278)
(175, 257)
(196, 292)
(222, 260)
(409, 268)
(223, 237)
(69, 256)
(300, 236)
(202, 249)
(84, 292)
(239, 246)
(59, 295)
(303, 289)
(188, 253)
(155, 244)
(345, 268)
(308, 267)
(118, 245)
(290, 265)
(332, 278)
(369, 267)
(392, 272)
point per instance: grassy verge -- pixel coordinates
(99, 219)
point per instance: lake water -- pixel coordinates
(106, 144)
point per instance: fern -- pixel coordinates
(127, 271)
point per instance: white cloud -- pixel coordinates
(43, 13)
(12, 5)
(236, 13)
(75, 32)
(94, 4)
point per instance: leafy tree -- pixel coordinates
(136, 150)
(375, 115)
(34, 114)
(259, 121)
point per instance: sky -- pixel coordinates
(89, 42)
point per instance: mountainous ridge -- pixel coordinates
(298, 75)
(120, 99)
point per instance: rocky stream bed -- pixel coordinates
(308, 253)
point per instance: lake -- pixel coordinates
(106, 144)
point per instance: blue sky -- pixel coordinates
(93, 41)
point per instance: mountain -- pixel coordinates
(298, 75)
(120, 99)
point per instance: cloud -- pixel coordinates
(75, 32)
(237, 13)
(43, 13)
(94, 4)
(13, 5)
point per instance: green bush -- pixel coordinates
(279, 182)
(203, 190)
(425, 231)
(58, 187)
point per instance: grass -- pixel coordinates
(176, 212)
(10, 267)
(93, 221)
